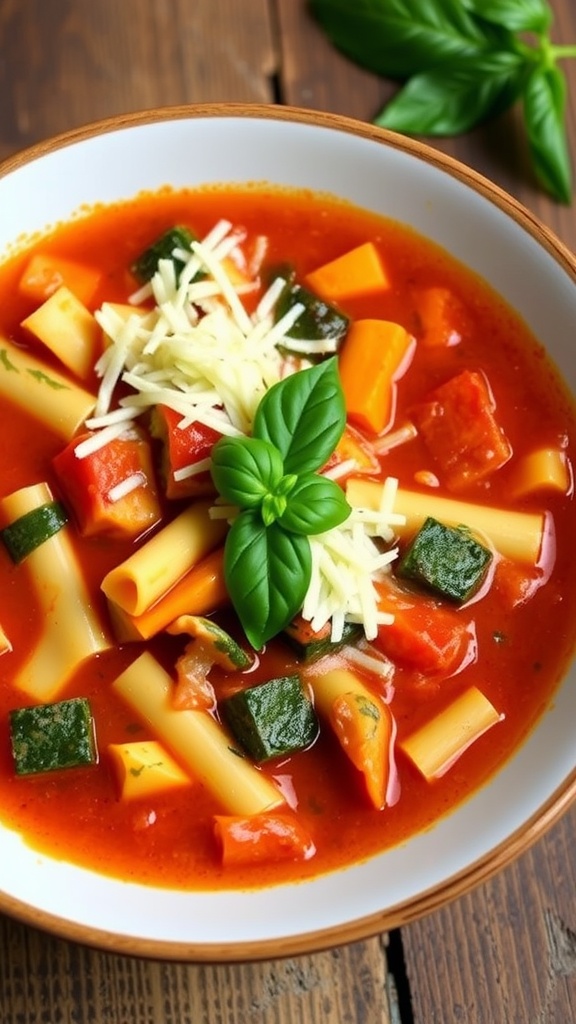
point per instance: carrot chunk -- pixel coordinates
(356, 273)
(261, 838)
(44, 274)
(375, 355)
(460, 430)
(424, 635)
(353, 454)
(440, 317)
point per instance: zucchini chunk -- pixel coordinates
(317, 323)
(310, 645)
(445, 559)
(145, 266)
(48, 737)
(272, 719)
(29, 531)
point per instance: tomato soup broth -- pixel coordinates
(518, 626)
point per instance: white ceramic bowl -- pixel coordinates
(500, 240)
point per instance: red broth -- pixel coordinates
(522, 648)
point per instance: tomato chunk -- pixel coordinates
(460, 430)
(183, 448)
(424, 635)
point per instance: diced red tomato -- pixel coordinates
(261, 838)
(425, 635)
(183, 447)
(460, 430)
(89, 485)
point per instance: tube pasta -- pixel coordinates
(71, 630)
(156, 567)
(200, 591)
(40, 391)
(197, 740)
(435, 746)
(68, 329)
(517, 535)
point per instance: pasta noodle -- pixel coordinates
(196, 739)
(54, 400)
(156, 567)
(71, 628)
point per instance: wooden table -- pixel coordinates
(505, 954)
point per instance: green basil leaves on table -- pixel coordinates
(272, 478)
(462, 62)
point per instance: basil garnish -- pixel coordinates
(271, 477)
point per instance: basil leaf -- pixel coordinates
(544, 107)
(267, 572)
(399, 38)
(457, 96)
(303, 416)
(515, 15)
(315, 504)
(245, 469)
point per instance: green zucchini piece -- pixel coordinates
(445, 559)
(318, 322)
(272, 719)
(48, 737)
(33, 528)
(309, 646)
(146, 265)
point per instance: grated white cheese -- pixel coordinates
(100, 439)
(125, 487)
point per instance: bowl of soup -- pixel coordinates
(288, 582)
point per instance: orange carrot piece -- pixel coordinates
(44, 274)
(200, 591)
(261, 838)
(364, 730)
(353, 448)
(357, 273)
(438, 311)
(375, 355)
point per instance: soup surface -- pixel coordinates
(454, 649)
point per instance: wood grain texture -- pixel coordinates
(48, 981)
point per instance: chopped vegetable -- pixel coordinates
(273, 718)
(440, 317)
(319, 322)
(435, 746)
(64, 325)
(310, 645)
(362, 724)
(112, 490)
(184, 465)
(375, 355)
(145, 266)
(145, 769)
(45, 273)
(355, 274)
(262, 838)
(461, 432)
(29, 531)
(211, 645)
(353, 454)
(445, 559)
(423, 634)
(48, 737)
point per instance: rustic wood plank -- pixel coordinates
(70, 61)
(47, 979)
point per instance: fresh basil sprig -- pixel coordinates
(271, 477)
(462, 62)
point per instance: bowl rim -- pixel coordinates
(519, 841)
